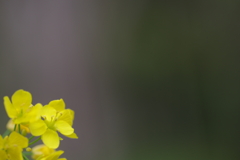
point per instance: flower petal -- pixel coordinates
(35, 112)
(38, 127)
(73, 136)
(1, 142)
(48, 112)
(15, 153)
(55, 155)
(17, 139)
(51, 139)
(41, 150)
(3, 155)
(22, 119)
(67, 115)
(22, 99)
(59, 105)
(11, 111)
(64, 127)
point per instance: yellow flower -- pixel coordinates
(21, 109)
(42, 152)
(54, 118)
(23, 127)
(11, 146)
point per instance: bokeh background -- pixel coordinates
(148, 80)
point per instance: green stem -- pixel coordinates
(27, 153)
(25, 157)
(30, 138)
(15, 126)
(19, 129)
(34, 141)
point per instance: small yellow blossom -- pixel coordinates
(11, 146)
(44, 121)
(42, 152)
(23, 127)
(54, 118)
(21, 109)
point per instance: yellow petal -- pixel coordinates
(22, 119)
(64, 127)
(51, 139)
(72, 113)
(41, 151)
(73, 136)
(15, 153)
(1, 142)
(55, 155)
(48, 112)
(3, 155)
(59, 105)
(17, 139)
(38, 127)
(22, 99)
(35, 112)
(11, 111)
(67, 115)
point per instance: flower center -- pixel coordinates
(50, 122)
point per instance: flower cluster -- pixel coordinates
(30, 123)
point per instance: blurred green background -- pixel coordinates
(148, 80)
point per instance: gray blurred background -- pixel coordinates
(148, 80)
